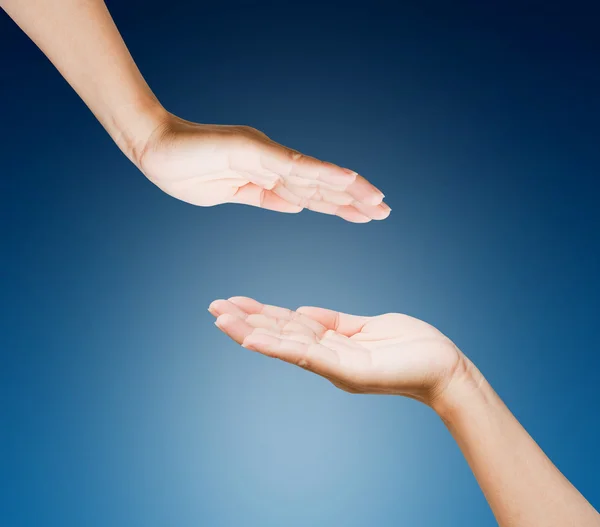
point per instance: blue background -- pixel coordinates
(121, 404)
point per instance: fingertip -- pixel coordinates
(225, 320)
(365, 192)
(270, 185)
(387, 210)
(381, 212)
(213, 308)
(374, 212)
(248, 345)
(374, 198)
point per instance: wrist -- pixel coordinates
(133, 124)
(466, 386)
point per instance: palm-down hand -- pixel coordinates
(211, 164)
(386, 354)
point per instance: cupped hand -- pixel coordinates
(212, 164)
(385, 354)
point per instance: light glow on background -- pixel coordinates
(122, 404)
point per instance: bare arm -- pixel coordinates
(522, 486)
(202, 164)
(81, 40)
(400, 355)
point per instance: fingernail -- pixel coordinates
(211, 308)
(348, 171)
(376, 199)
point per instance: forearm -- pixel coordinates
(81, 40)
(522, 486)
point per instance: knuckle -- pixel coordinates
(245, 129)
(304, 363)
(295, 156)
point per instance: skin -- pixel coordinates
(396, 354)
(202, 164)
(207, 165)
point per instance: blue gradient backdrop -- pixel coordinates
(122, 405)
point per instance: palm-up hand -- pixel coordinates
(211, 164)
(386, 354)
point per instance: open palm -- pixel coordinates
(211, 164)
(388, 354)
